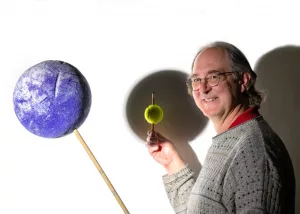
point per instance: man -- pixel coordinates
(247, 168)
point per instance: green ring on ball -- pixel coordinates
(153, 114)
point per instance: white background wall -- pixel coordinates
(114, 43)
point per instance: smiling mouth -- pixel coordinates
(209, 99)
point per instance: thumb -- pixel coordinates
(153, 147)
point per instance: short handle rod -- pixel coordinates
(153, 103)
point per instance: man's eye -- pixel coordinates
(197, 80)
(213, 76)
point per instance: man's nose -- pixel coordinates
(204, 88)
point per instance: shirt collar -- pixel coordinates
(249, 114)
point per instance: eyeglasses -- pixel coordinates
(212, 79)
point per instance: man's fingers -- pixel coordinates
(152, 147)
(152, 139)
(154, 136)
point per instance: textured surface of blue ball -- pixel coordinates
(51, 99)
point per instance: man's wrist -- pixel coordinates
(174, 166)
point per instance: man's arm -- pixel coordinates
(178, 187)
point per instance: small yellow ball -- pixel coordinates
(153, 114)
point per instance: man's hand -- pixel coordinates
(164, 152)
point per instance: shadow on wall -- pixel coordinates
(182, 121)
(279, 76)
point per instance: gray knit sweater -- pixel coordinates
(247, 170)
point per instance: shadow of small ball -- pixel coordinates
(182, 120)
(51, 99)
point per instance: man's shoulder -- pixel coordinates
(257, 136)
(259, 139)
(249, 134)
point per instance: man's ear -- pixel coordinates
(244, 81)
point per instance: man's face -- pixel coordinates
(218, 100)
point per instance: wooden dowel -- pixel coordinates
(153, 98)
(153, 102)
(109, 184)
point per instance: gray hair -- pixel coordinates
(239, 65)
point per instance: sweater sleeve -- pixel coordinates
(255, 181)
(178, 187)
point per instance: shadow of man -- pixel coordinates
(279, 77)
(182, 120)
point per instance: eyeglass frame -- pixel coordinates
(219, 73)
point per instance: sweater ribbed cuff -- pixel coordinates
(175, 176)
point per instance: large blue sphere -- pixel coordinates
(52, 98)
